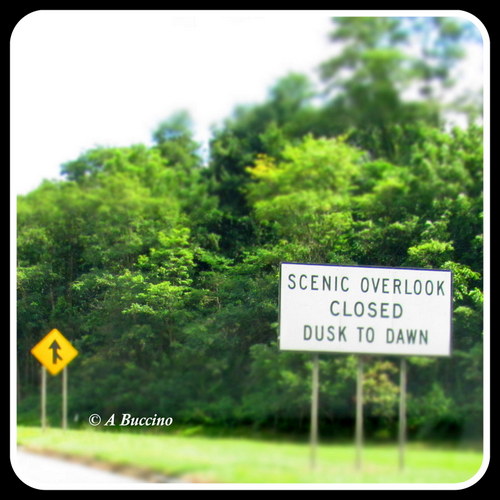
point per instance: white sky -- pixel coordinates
(85, 78)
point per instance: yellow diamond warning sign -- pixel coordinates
(54, 351)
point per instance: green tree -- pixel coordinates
(390, 74)
(252, 130)
(305, 198)
(174, 138)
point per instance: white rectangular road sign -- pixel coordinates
(357, 309)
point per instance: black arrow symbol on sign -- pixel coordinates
(55, 356)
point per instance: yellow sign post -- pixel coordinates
(55, 352)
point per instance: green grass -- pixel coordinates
(243, 460)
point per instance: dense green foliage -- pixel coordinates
(164, 273)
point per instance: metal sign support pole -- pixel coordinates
(359, 412)
(314, 409)
(402, 413)
(65, 398)
(43, 403)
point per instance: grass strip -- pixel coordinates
(243, 460)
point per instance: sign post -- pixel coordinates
(359, 412)
(43, 404)
(402, 413)
(314, 409)
(365, 310)
(65, 398)
(54, 352)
